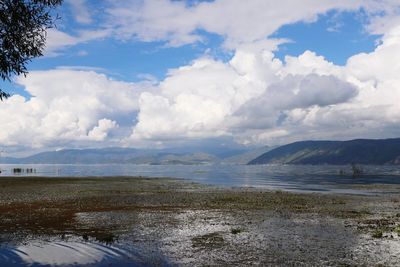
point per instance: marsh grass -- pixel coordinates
(378, 233)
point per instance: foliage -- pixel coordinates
(23, 25)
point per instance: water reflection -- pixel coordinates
(284, 177)
(67, 253)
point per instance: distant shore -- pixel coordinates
(193, 224)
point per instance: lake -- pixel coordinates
(326, 178)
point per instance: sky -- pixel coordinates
(163, 73)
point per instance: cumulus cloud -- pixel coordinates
(101, 131)
(373, 112)
(257, 98)
(252, 98)
(66, 106)
(307, 63)
(195, 100)
(293, 93)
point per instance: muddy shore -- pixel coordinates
(188, 224)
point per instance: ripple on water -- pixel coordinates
(62, 253)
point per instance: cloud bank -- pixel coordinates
(253, 98)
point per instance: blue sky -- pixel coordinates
(334, 35)
(183, 71)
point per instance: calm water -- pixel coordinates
(76, 254)
(284, 177)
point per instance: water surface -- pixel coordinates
(73, 253)
(326, 178)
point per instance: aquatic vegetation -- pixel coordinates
(356, 170)
(378, 233)
(397, 229)
(21, 170)
(236, 231)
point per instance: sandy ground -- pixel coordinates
(174, 222)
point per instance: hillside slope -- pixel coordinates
(360, 151)
(244, 158)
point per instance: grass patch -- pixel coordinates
(378, 233)
(236, 231)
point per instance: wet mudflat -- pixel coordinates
(122, 221)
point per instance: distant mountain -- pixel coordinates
(245, 157)
(115, 155)
(8, 160)
(83, 156)
(176, 159)
(361, 151)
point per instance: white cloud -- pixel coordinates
(67, 106)
(101, 131)
(383, 15)
(381, 65)
(196, 100)
(307, 63)
(256, 98)
(239, 22)
(293, 93)
(374, 112)
(57, 41)
(80, 10)
(242, 24)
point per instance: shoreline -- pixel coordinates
(187, 221)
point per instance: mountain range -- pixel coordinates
(360, 151)
(170, 156)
